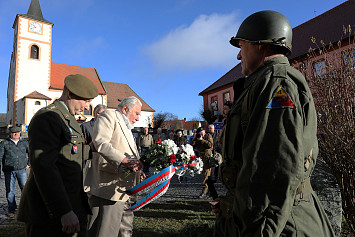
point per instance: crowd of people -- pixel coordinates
(268, 145)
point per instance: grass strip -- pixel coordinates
(190, 218)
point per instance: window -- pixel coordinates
(214, 103)
(226, 97)
(38, 102)
(88, 112)
(34, 52)
(319, 68)
(349, 58)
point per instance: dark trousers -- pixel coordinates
(210, 183)
(33, 230)
(145, 164)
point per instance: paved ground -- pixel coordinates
(322, 181)
(189, 188)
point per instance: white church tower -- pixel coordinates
(30, 67)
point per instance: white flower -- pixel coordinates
(188, 149)
(175, 149)
(199, 165)
(172, 148)
(191, 173)
(159, 155)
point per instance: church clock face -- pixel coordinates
(35, 27)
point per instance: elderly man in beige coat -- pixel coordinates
(114, 168)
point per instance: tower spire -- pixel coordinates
(35, 10)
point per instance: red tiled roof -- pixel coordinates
(189, 125)
(37, 95)
(327, 27)
(186, 125)
(60, 71)
(118, 91)
(230, 77)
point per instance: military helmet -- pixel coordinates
(265, 27)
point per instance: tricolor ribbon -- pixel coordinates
(155, 186)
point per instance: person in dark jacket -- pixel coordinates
(87, 127)
(53, 202)
(13, 157)
(160, 135)
(179, 139)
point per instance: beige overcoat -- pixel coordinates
(104, 176)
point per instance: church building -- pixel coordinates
(35, 81)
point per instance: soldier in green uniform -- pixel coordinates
(270, 144)
(53, 202)
(203, 143)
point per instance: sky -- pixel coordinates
(167, 51)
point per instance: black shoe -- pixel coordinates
(213, 195)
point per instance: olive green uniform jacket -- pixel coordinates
(204, 148)
(270, 148)
(57, 152)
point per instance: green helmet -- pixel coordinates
(265, 27)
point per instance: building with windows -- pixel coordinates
(331, 32)
(221, 90)
(186, 126)
(35, 81)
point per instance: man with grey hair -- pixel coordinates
(87, 127)
(160, 135)
(114, 168)
(214, 134)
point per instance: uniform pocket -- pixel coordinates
(73, 148)
(229, 177)
(226, 205)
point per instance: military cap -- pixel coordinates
(15, 129)
(81, 86)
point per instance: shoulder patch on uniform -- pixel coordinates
(280, 100)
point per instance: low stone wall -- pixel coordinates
(327, 189)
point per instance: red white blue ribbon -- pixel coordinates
(155, 186)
